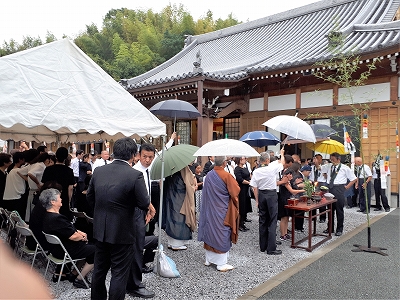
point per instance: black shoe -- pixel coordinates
(326, 231)
(275, 252)
(299, 230)
(142, 293)
(348, 206)
(147, 269)
(81, 284)
(247, 220)
(63, 277)
(71, 277)
(378, 209)
(243, 228)
(338, 233)
(322, 221)
(361, 211)
(387, 209)
(278, 242)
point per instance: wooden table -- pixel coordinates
(312, 218)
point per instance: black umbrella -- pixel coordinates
(321, 131)
(175, 109)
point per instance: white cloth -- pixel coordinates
(15, 185)
(138, 166)
(75, 166)
(248, 166)
(36, 170)
(375, 175)
(321, 171)
(363, 171)
(344, 173)
(99, 163)
(230, 170)
(218, 259)
(264, 178)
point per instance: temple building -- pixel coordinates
(241, 76)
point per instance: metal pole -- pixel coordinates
(161, 200)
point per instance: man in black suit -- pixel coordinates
(119, 198)
(208, 165)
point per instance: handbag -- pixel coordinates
(165, 266)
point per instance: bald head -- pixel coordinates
(358, 161)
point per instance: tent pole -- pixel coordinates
(161, 199)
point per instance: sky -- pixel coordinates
(19, 18)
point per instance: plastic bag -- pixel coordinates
(167, 267)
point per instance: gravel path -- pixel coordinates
(197, 281)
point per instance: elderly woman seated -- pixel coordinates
(75, 241)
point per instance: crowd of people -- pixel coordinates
(118, 193)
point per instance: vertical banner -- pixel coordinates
(386, 163)
(365, 127)
(92, 148)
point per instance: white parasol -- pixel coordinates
(227, 147)
(293, 126)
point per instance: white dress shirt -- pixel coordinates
(363, 171)
(75, 166)
(344, 173)
(99, 163)
(146, 174)
(264, 178)
(323, 169)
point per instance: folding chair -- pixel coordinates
(24, 231)
(52, 239)
(4, 220)
(10, 225)
(14, 215)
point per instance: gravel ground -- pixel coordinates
(197, 281)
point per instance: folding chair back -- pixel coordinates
(25, 231)
(53, 239)
(14, 215)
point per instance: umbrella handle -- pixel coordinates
(284, 142)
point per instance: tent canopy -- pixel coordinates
(55, 92)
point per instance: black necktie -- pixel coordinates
(105, 162)
(333, 175)
(148, 180)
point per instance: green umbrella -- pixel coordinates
(175, 159)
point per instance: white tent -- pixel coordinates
(55, 92)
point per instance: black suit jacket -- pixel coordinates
(116, 192)
(207, 167)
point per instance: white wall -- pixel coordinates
(364, 94)
(256, 104)
(317, 99)
(283, 102)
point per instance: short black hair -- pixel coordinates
(288, 159)
(125, 148)
(18, 156)
(61, 154)
(79, 152)
(42, 148)
(30, 155)
(5, 158)
(147, 147)
(335, 154)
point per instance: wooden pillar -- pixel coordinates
(394, 87)
(200, 108)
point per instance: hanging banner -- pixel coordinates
(365, 127)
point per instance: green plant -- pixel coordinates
(309, 188)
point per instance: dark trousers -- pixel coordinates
(150, 244)
(380, 194)
(135, 274)
(322, 209)
(155, 200)
(117, 256)
(268, 214)
(338, 190)
(364, 195)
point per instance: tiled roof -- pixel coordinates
(293, 38)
